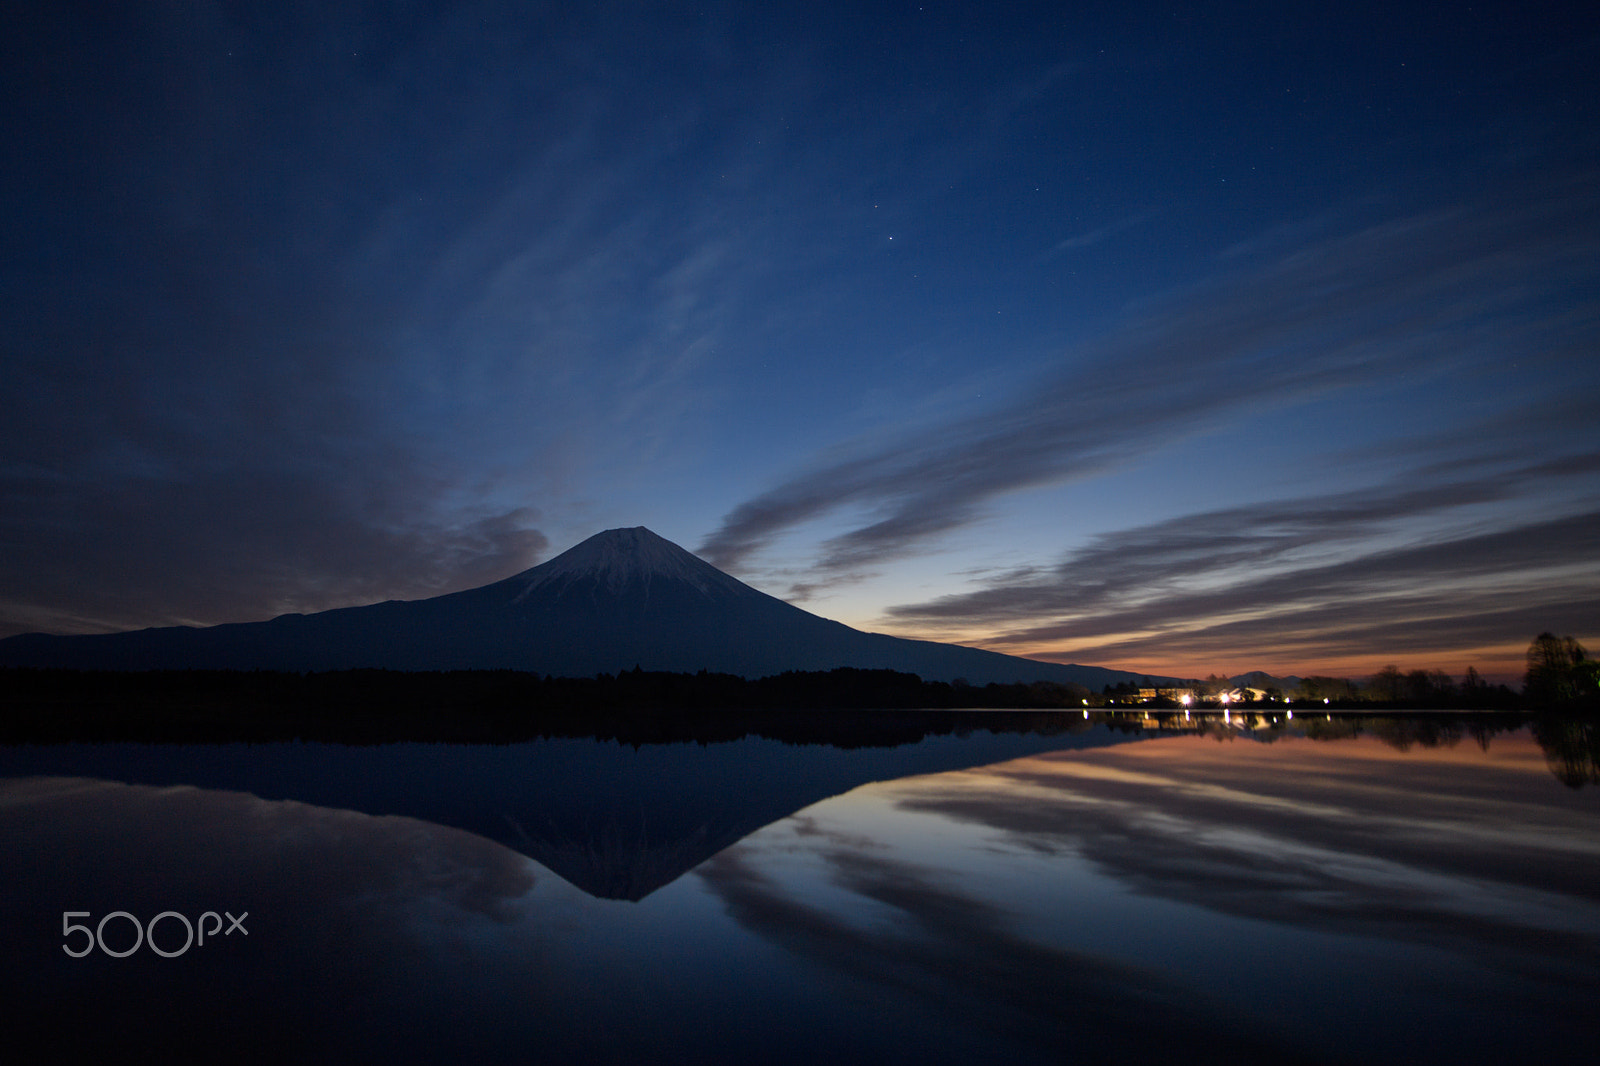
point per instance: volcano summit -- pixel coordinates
(622, 598)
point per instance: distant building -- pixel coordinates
(1176, 695)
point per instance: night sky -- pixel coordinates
(1180, 338)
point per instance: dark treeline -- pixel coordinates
(372, 706)
(1560, 676)
(882, 708)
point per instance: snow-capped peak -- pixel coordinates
(618, 557)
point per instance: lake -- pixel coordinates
(1378, 891)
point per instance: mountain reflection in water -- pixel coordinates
(1095, 895)
(616, 821)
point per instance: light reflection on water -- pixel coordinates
(1096, 896)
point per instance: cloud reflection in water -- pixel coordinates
(1175, 898)
(1313, 887)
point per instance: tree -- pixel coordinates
(1317, 687)
(1386, 683)
(1428, 686)
(1474, 689)
(1558, 674)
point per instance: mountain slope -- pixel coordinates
(622, 598)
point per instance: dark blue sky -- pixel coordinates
(1135, 335)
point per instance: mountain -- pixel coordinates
(622, 598)
(1262, 679)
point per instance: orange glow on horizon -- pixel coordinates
(1503, 664)
(1496, 664)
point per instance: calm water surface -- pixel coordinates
(1091, 896)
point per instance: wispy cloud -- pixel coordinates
(1206, 559)
(1193, 597)
(1329, 853)
(1093, 237)
(1447, 291)
(954, 952)
(1418, 566)
(382, 379)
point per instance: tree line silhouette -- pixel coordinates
(489, 705)
(1559, 676)
(504, 705)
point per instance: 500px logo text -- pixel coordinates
(143, 934)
